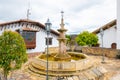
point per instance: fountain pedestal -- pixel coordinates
(62, 55)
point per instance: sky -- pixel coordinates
(79, 15)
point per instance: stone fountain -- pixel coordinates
(62, 55)
(65, 65)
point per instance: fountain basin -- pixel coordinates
(73, 56)
(60, 68)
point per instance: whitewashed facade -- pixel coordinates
(109, 35)
(40, 42)
(112, 34)
(118, 24)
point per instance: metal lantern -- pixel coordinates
(48, 25)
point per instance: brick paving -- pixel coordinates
(111, 65)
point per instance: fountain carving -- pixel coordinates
(62, 55)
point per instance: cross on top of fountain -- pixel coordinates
(62, 55)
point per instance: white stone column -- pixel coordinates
(118, 24)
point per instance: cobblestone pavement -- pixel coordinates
(116, 77)
(111, 65)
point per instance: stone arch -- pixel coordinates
(113, 45)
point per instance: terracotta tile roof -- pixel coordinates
(106, 26)
(30, 22)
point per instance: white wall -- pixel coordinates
(40, 38)
(9, 28)
(118, 24)
(41, 41)
(109, 37)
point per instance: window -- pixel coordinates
(50, 41)
(28, 36)
(30, 39)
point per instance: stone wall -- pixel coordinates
(111, 53)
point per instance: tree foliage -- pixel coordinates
(87, 39)
(12, 49)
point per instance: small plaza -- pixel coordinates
(112, 67)
(85, 46)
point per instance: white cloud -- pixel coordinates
(94, 16)
(79, 14)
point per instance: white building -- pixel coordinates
(34, 34)
(109, 35)
(118, 24)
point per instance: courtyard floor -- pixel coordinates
(111, 65)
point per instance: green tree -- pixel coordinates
(12, 52)
(87, 38)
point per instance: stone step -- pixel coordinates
(39, 67)
(82, 77)
(90, 74)
(42, 72)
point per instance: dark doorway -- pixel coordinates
(113, 45)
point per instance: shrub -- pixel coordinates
(12, 49)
